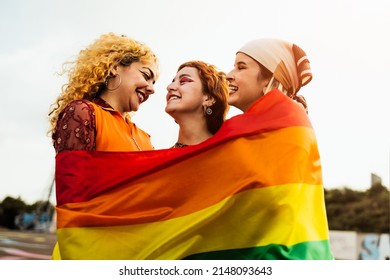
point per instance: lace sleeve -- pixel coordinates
(75, 129)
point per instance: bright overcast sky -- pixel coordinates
(347, 42)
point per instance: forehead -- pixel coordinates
(189, 71)
(147, 65)
(246, 59)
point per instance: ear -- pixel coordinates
(208, 100)
(268, 85)
(114, 70)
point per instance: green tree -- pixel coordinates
(362, 211)
(10, 208)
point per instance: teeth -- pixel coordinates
(232, 88)
(141, 97)
(173, 97)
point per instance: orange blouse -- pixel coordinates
(85, 125)
(114, 133)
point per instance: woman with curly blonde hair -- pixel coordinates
(109, 79)
(197, 100)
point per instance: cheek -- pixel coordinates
(247, 80)
(136, 81)
(254, 82)
(245, 84)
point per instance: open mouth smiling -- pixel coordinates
(232, 89)
(172, 97)
(141, 96)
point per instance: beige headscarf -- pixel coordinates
(288, 63)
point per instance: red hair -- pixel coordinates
(215, 85)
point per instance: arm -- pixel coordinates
(76, 129)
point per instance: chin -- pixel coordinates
(169, 109)
(134, 108)
(231, 101)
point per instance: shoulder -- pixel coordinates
(80, 107)
(78, 111)
(76, 127)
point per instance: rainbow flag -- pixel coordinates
(253, 191)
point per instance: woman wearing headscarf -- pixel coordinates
(267, 76)
(267, 64)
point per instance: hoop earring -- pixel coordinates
(209, 111)
(108, 78)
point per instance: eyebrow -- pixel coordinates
(183, 75)
(241, 63)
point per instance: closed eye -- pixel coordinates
(146, 75)
(241, 65)
(185, 80)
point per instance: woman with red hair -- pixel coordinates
(197, 100)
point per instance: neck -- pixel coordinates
(193, 131)
(113, 102)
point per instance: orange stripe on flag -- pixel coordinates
(197, 183)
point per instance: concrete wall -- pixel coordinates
(351, 245)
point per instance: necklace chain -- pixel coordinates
(139, 148)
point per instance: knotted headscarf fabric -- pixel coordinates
(288, 62)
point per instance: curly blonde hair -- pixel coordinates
(88, 73)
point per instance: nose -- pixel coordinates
(171, 86)
(230, 77)
(150, 89)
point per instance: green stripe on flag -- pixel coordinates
(313, 250)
